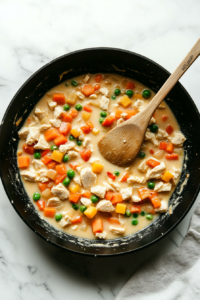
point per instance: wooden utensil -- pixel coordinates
(121, 145)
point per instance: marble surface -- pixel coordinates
(32, 33)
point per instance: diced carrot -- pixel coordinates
(51, 165)
(86, 129)
(45, 152)
(59, 98)
(73, 113)
(49, 212)
(87, 108)
(41, 204)
(86, 154)
(172, 156)
(76, 220)
(87, 90)
(130, 85)
(117, 198)
(153, 196)
(152, 163)
(130, 113)
(113, 221)
(73, 166)
(90, 124)
(61, 169)
(135, 209)
(124, 177)
(98, 78)
(170, 148)
(118, 113)
(97, 86)
(108, 121)
(143, 193)
(66, 117)
(163, 146)
(60, 140)
(151, 151)
(110, 175)
(154, 115)
(169, 129)
(23, 162)
(86, 194)
(43, 186)
(65, 128)
(46, 159)
(74, 197)
(97, 226)
(109, 195)
(164, 117)
(28, 149)
(60, 178)
(51, 134)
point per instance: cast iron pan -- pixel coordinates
(94, 61)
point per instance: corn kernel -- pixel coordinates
(76, 131)
(97, 167)
(167, 176)
(57, 156)
(120, 208)
(86, 116)
(52, 174)
(75, 188)
(95, 131)
(125, 101)
(90, 212)
(71, 99)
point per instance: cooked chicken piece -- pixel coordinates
(33, 135)
(72, 154)
(133, 179)
(176, 172)
(101, 235)
(42, 143)
(135, 198)
(66, 147)
(88, 178)
(58, 112)
(86, 78)
(163, 208)
(80, 95)
(161, 134)
(29, 175)
(104, 102)
(162, 187)
(94, 103)
(51, 104)
(38, 164)
(93, 159)
(105, 206)
(35, 119)
(86, 142)
(60, 191)
(85, 201)
(143, 166)
(99, 190)
(104, 91)
(120, 121)
(66, 220)
(44, 127)
(115, 185)
(77, 179)
(54, 202)
(150, 136)
(139, 105)
(55, 122)
(23, 133)
(93, 96)
(117, 230)
(40, 112)
(108, 186)
(152, 121)
(177, 139)
(126, 193)
(156, 172)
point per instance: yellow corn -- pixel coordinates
(97, 167)
(120, 208)
(57, 156)
(90, 212)
(167, 176)
(125, 101)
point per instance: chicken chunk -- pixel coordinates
(88, 178)
(161, 134)
(99, 190)
(150, 136)
(163, 208)
(40, 112)
(156, 172)
(80, 95)
(86, 142)
(115, 185)
(143, 166)
(120, 121)
(86, 78)
(152, 121)
(72, 154)
(105, 206)
(93, 159)
(139, 105)
(58, 112)
(35, 119)
(60, 191)
(33, 135)
(51, 104)
(77, 179)
(176, 172)
(38, 164)
(54, 202)
(126, 193)
(117, 230)
(101, 235)
(108, 186)
(133, 179)
(135, 198)
(44, 127)
(104, 91)
(66, 147)
(104, 102)
(23, 133)
(85, 201)
(29, 175)
(42, 143)
(177, 139)
(55, 122)
(163, 187)
(66, 220)
(93, 96)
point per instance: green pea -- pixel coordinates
(74, 83)
(142, 213)
(75, 206)
(66, 84)
(58, 217)
(66, 181)
(135, 215)
(70, 174)
(117, 92)
(37, 155)
(113, 97)
(82, 208)
(94, 199)
(36, 196)
(117, 173)
(101, 120)
(146, 93)
(127, 213)
(149, 217)
(54, 147)
(103, 114)
(78, 107)
(151, 185)
(66, 158)
(129, 93)
(142, 154)
(66, 107)
(134, 222)
(153, 128)
(71, 137)
(79, 143)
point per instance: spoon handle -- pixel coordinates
(172, 80)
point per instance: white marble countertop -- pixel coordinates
(33, 33)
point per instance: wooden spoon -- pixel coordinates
(121, 145)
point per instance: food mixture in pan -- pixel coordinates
(72, 186)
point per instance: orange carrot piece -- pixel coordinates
(41, 204)
(45, 152)
(49, 212)
(163, 146)
(28, 149)
(76, 220)
(153, 196)
(130, 113)
(59, 98)
(73, 113)
(60, 140)
(130, 85)
(143, 193)
(60, 178)
(170, 148)
(86, 154)
(172, 156)
(97, 226)
(23, 162)
(86, 129)
(61, 169)
(64, 128)
(51, 165)
(66, 117)
(98, 78)
(109, 195)
(124, 177)
(97, 87)
(87, 90)
(164, 117)
(135, 209)
(86, 194)
(169, 129)
(51, 134)
(117, 198)
(73, 166)
(87, 108)
(43, 186)
(113, 221)
(118, 113)
(90, 124)
(108, 121)
(152, 163)
(74, 198)
(151, 151)
(46, 159)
